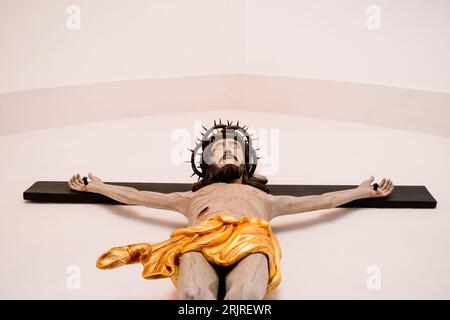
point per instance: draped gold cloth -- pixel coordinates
(222, 239)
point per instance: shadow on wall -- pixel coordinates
(416, 110)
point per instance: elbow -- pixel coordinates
(132, 197)
(127, 200)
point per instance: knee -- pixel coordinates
(189, 293)
(245, 290)
(196, 292)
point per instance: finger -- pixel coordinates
(390, 185)
(382, 183)
(389, 190)
(371, 179)
(75, 179)
(91, 175)
(76, 187)
(72, 186)
(76, 182)
(386, 185)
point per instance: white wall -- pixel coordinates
(320, 39)
(329, 40)
(117, 41)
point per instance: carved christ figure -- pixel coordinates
(228, 212)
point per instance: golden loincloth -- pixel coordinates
(222, 239)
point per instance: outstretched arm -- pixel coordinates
(283, 205)
(175, 201)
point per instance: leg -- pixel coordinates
(249, 278)
(197, 279)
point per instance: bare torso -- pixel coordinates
(226, 198)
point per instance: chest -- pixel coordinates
(228, 194)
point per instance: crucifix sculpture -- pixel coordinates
(228, 211)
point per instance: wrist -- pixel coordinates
(96, 188)
(363, 193)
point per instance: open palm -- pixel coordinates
(76, 182)
(385, 187)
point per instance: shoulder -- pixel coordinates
(181, 195)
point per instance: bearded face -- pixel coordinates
(223, 152)
(224, 161)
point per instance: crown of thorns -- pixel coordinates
(223, 131)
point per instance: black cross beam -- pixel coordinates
(401, 197)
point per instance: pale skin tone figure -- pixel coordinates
(248, 279)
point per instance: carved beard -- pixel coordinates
(226, 173)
